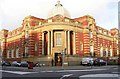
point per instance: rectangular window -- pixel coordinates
(58, 39)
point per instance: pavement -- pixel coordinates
(62, 72)
(56, 68)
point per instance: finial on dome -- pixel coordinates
(58, 3)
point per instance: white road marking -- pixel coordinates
(115, 68)
(47, 71)
(80, 70)
(116, 72)
(18, 72)
(100, 75)
(75, 70)
(66, 76)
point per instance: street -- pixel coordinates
(72, 72)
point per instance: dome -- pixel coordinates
(58, 10)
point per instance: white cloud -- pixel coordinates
(104, 11)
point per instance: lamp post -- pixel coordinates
(105, 57)
(63, 54)
(62, 59)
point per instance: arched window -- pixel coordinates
(91, 34)
(8, 54)
(26, 35)
(12, 53)
(36, 46)
(81, 46)
(101, 51)
(26, 51)
(106, 52)
(17, 52)
(110, 51)
(91, 48)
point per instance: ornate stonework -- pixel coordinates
(38, 39)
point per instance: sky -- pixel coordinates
(12, 12)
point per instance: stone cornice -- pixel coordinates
(60, 23)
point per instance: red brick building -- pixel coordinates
(41, 40)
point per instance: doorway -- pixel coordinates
(58, 59)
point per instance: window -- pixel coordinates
(101, 50)
(17, 53)
(106, 52)
(117, 41)
(66, 20)
(109, 34)
(12, 53)
(36, 46)
(105, 33)
(81, 47)
(26, 35)
(8, 54)
(91, 50)
(117, 51)
(58, 39)
(50, 20)
(26, 51)
(100, 31)
(111, 52)
(90, 34)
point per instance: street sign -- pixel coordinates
(62, 54)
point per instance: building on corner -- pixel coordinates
(41, 40)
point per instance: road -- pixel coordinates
(102, 72)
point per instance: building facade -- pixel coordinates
(59, 38)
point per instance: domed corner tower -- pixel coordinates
(59, 10)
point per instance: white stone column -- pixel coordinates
(51, 40)
(111, 52)
(65, 39)
(48, 42)
(68, 42)
(74, 43)
(42, 43)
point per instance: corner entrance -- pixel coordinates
(58, 59)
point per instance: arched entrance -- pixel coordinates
(58, 59)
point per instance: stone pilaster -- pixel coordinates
(48, 42)
(51, 41)
(74, 43)
(68, 42)
(42, 42)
